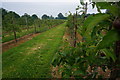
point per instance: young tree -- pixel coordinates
(35, 21)
(28, 20)
(10, 23)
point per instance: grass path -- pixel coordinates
(32, 59)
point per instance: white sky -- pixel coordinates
(40, 0)
(40, 7)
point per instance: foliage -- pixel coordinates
(108, 39)
(12, 22)
(97, 46)
(113, 9)
(60, 16)
(91, 22)
(45, 16)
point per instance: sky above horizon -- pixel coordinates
(49, 7)
(41, 0)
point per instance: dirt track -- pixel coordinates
(7, 45)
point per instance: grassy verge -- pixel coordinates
(32, 59)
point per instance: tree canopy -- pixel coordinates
(45, 16)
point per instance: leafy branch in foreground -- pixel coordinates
(100, 45)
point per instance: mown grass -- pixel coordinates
(32, 59)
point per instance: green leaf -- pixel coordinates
(82, 2)
(108, 39)
(55, 59)
(112, 8)
(91, 22)
(109, 54)
(93, 5)
(103, 5)
(98, 9)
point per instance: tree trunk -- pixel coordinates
(84, 16)
(15, 37)
(27, 24)
(115, 73)
(72, 34)
(27, 28)
(35, 29)
(75, 32)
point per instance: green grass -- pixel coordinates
(22, 33)
(32, 59)
(19, 34)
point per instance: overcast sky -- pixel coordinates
(40, 7)
(41, 0)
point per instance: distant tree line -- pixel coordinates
(60, 16)
(13, 22)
